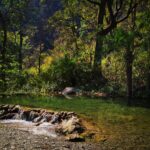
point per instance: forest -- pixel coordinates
(99, 48)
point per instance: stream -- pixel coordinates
(58, 125)
(44, 128)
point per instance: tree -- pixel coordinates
(144, 29)
(110, 14)
(129, 57)
(4, 19)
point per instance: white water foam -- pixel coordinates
(45, 128)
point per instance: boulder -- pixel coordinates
(2, 112)
(15, 109)
(48, 117)
(55, 119)
(8, 116)
(38, 119)
(70, 126)
(4, 107)
(8, 110)
(69, 91)
(26, 115)
(33, 115)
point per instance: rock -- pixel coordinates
(55, 119)
(33, 115)
(43, 120)
(70, 115)
(8, 111)
(75, 138)
(38, 119)
(70, 126)
(25, 115)
(2, 112)
(63, 115)
(69, 91)
(48, 117)
(4, 107)
(8, 116)
(15, 109)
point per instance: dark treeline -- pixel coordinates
(100, 45)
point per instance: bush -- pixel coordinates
(67, 72)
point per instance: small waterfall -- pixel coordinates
(39, 121)
(46, 128)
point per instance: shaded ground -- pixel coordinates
(13, 139)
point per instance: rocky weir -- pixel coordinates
(66, 125)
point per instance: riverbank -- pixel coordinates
(14, 139)
(117, 125)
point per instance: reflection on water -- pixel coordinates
(45, 128)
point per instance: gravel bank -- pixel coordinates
(14, 139)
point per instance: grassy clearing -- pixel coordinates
(110, 117)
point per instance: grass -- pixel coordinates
(111, 117)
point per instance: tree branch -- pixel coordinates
(118, 7)
(94, 2)
(1, 18)
(113, 17)
(108, 29)
(109, 4)
(131, 8)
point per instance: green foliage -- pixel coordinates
(67, 72)
(61, 71)
(70, 61)
(114, 71)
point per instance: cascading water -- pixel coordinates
(40, 122)
(44, 128)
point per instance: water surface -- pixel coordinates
(45, 128)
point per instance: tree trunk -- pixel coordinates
(4, 57)
(148, 77)
(97, 68)
(20, 52)
(148, 84)
(129, 63)
(39, 67)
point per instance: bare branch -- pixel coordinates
(119, 4)
(1, 18)
(118, 7)
(109, 4)
(94, 2)
(112, 20)
(113, 17)
(130, 10)
(108, 29)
